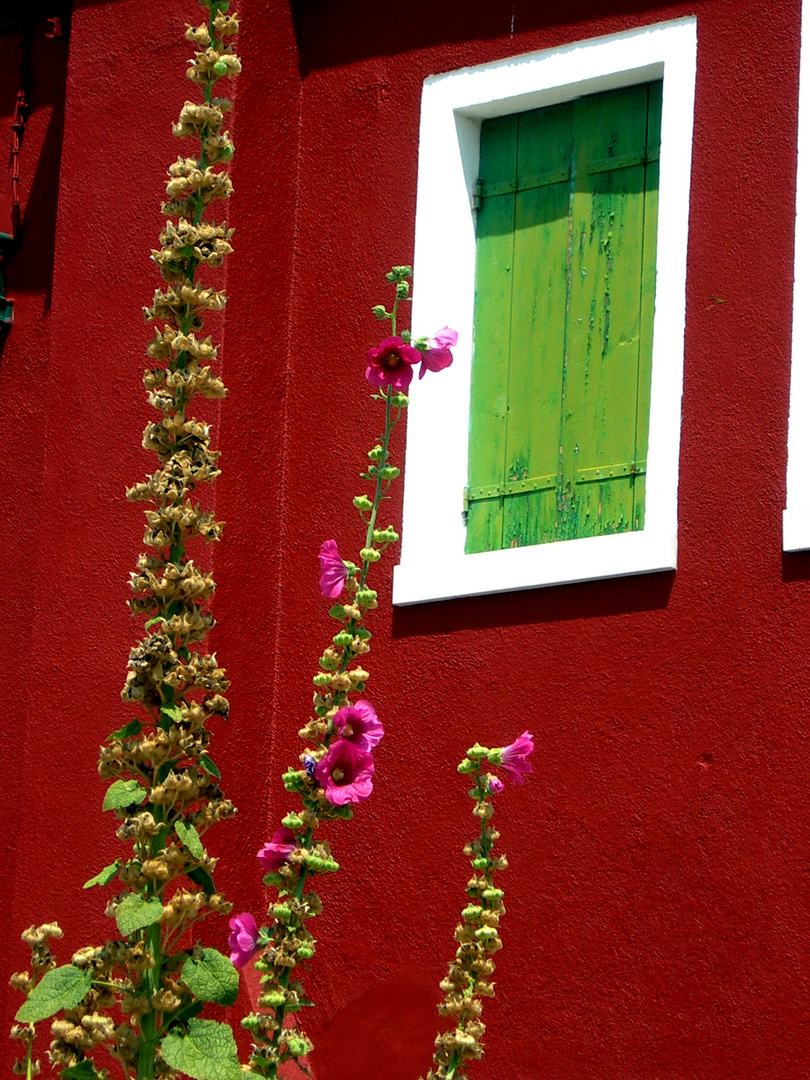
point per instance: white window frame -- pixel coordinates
(796, 515)
(433, 564)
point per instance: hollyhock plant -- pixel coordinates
(437, 355)
(275, 852)
(244, 939)
(333, 570)
(345, 773)
(359, 724)
(391, 364)
(136, 1018)
(496, 786)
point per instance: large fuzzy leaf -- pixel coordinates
(62, 988)
(207, 1052)
(212, 978)
(133, 913)
(123, 793)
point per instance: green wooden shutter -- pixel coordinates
(565, 292)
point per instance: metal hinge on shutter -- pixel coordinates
(548, 483)
(611, 472)
(512, 487)
(483, 190)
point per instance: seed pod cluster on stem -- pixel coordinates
(135, 1000)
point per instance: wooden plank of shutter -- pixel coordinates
(648, 260)
(538, 324)
(491, 342)
(601, 368)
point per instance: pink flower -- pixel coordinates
(359, 724)
(244, 939)
(495, 785)
(391, 363)
(438, 355)
(333, 570)
(514, 758)
(276, 852)
(345, 773)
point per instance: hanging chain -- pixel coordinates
(21, 113)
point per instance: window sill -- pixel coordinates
(795, 530)
(446, 577)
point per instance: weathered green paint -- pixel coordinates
(565, 293)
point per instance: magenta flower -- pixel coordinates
(333, 570)
(495, 785)
(345, 773)
(244, 939)
(276, 851)
(391, 364)
(359, 724)
(514, 758)
(437, 356)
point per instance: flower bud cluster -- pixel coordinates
(469, 975)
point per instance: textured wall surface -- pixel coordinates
(658, 904)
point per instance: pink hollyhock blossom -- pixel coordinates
(391, 364)
(244, 939)
(276, 851)
(345, 773)
(495, 785)
(333, 570)
(438, 355)
(514, 758)
(359, 724)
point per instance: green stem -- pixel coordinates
(372, 521)
(394, 317)
(149, 1031)
(29, 1058)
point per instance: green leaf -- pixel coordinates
(123, 793)
(203, 879)
(103, 877)
(212, 978)
(82, 1070)
(62, 988)
(208, 1052)
(171, 712)
(133, 913)
(210, 767)
(134, 727)
(191, 838)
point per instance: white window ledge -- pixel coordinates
(433, 564)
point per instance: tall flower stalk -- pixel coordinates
(337, 765)
(136, 998)
(469, 975)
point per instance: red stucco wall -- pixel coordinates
(658, 906)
